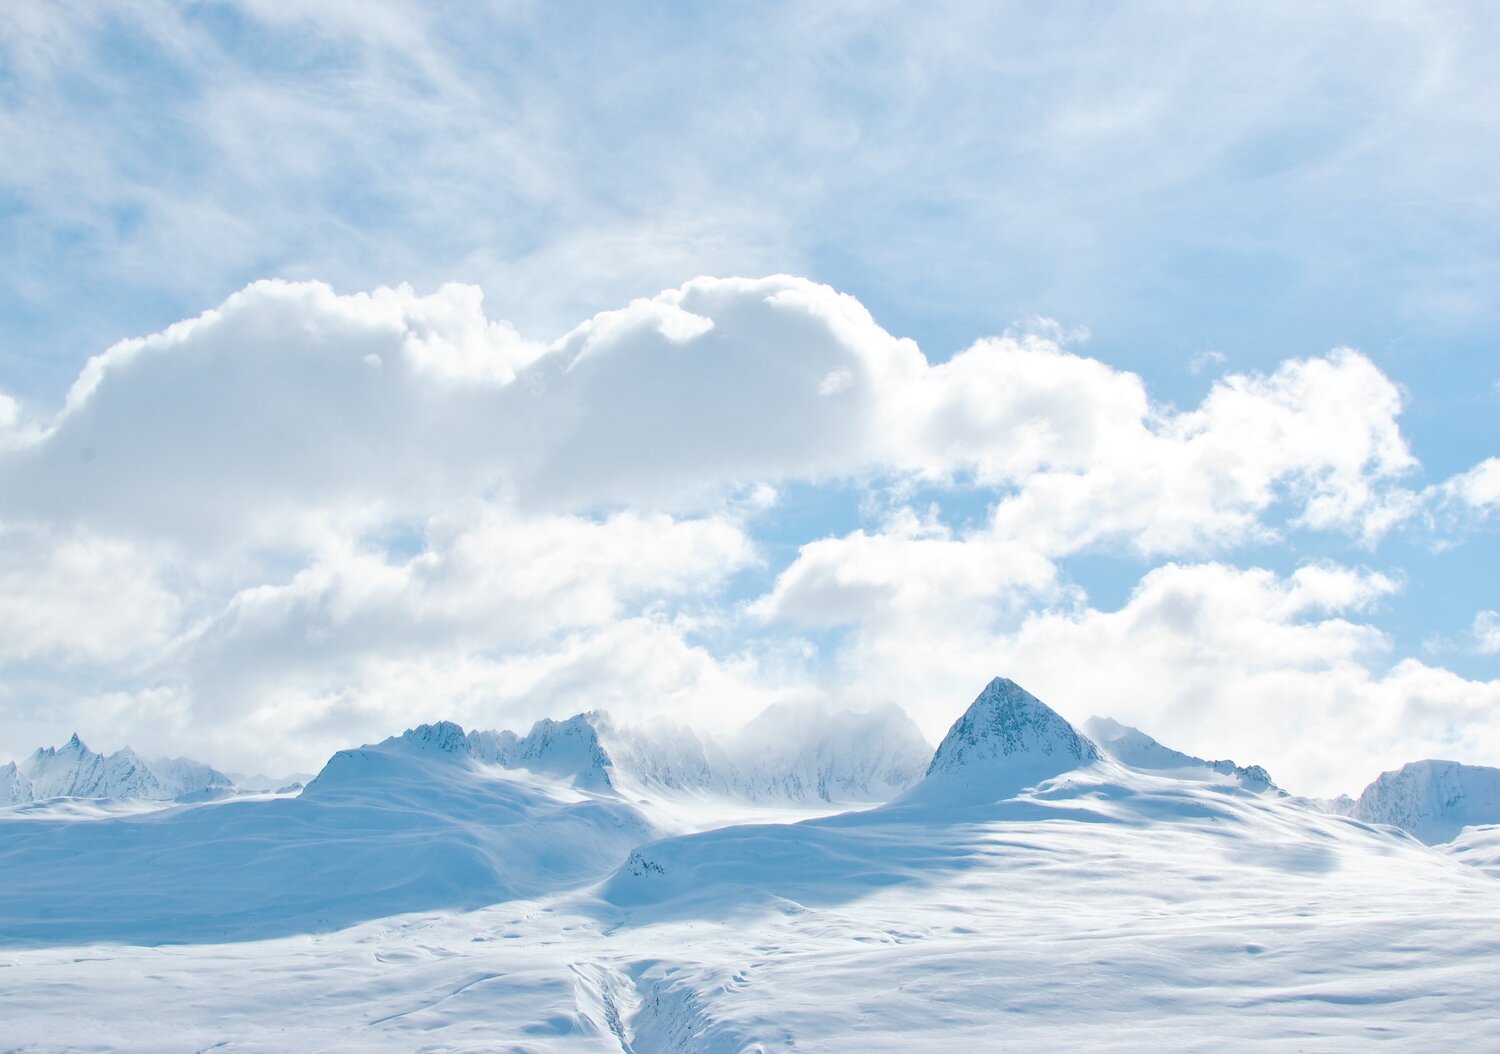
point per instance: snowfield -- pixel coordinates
(1031, 892)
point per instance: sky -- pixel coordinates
(364, 364)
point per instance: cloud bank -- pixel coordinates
(303, 518)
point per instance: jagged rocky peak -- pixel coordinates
(14, 787)
(1132, 747)
(492, 747)
(1006, 741)
(442, 737)
(1433, 800)
(568, 748)
(74, 771)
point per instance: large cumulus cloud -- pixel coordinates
(305, 517)
(289, 399)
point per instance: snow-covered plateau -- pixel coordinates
(822, 882)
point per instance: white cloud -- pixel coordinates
(373, 509)
(80, 597)
(1206, 360)
(1320, 435)
(269, 404)
(909, 571)
(1477, 490)
(1211, 659)
(295, 716)
(1487, 633)
(485, 591)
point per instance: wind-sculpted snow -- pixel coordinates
(1478, 846)
(1130, 746)
(75, 771)
(1433, 800)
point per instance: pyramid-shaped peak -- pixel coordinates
(1004, 690)
(1007, 740)
(1005, 720)
(74, 747)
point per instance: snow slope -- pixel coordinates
(1478, 846)
(1433, 800)
(413, 823)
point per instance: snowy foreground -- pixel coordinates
(1032, 891)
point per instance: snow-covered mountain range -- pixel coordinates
(822, 881)
(74, 771)
(786, 755)
(781, 756)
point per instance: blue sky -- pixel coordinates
(1183, 193)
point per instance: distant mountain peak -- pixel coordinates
(1432, 799)
(568, 748)
(1130, 746)
(441, 736)
(1006, 720)
(1006, 740)
(75, 771)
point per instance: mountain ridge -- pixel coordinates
(74, 771)
(843, 756)
(1433, 800)
(1130, 746)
